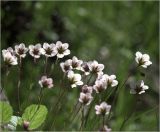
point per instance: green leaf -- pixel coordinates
(6, 112)
(13, 122)
(35, 115)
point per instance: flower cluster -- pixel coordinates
(49, 50)
(77, 72)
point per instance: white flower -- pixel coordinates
(143, 59)
(85, 68)
(46, 82)
(75, 79)
(76, 64)
(21, 50)
(62, 49)
(35, 50)
(105, 129)
(85, 98)
(66, 66)
(49, 50)
(139, 89)
(102, 109)
(95, 67)
(9, 49)
(9, 58)
(110, 80)
(87, 89)
(100, 86)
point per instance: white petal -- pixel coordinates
(60, 55)
(77, 77)
(141, 92)
(65, 45)
(46, 45)
(79, 83)
(70, 74)
(144, 66)
(139, 54)
(145, 87)
(101, 67)
(31, 47)
(112, 77)
(58, 44)
(146, 57)
(38, 46)
(114, 83)
(147, 63)
(66, 52)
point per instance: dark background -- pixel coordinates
(110, 32)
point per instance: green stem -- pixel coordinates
(82, 119)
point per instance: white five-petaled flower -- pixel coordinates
(46, 82)
(49, 50)
(21, 50)
(35, 50)
(143, 59)
(66, 66)
(86, 89)
(85, 98)
(110, 80)
(102, 109)
(75, 79)
(75, 63)
(62, 49)
(105, 129)
(100, 86)
(95, 67)
(85, 68)
(139, 89)
(9, 58)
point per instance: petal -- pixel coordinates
(22, 46)
(60, 55)
(38, 46)
(97, 107)
(46, 45)
(66, 52)
(70, 74)
(114, 83)
(58, 44)
(77, 77)
(139, 54)
(145, 87)
(141, 92)
(112, 77)
(53, 46)
(79, 83)
(65, 45)
(145, 57)
(101, 67)
(31, 47)
(147, 63)
(144, 66)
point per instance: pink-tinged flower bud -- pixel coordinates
(46, 82)
(87, 89)
(26, 125)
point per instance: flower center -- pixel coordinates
(35, 51)
(61, 50)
